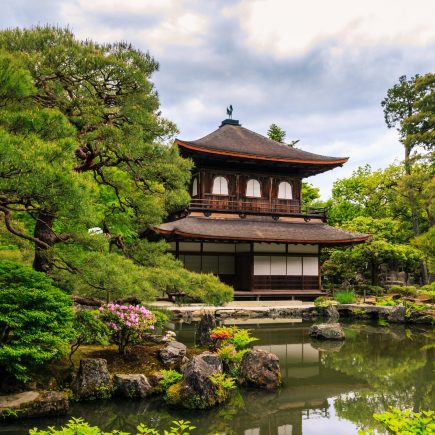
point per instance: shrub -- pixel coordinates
(79, 426)
(170, 377)
(405, 290)
(35, 319)
(406, 422)
(88, 329)
(128, 324)
(345, 297)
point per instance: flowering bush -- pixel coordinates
(127, 324)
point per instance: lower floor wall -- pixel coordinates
(257, 269)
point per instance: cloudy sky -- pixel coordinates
(317, 68)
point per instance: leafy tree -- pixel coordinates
(426, 244)
(420, 125)
(276, 133)
(309, 193)
(35, 320)
(410, 106)
(80, 132)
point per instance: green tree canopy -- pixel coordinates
(81, 139)
(276, 133)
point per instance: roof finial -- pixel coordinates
(230, 111)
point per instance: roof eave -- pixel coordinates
(335, 162)
(352, 241)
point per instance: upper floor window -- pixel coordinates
(195, 186)
(220, 186)
(285, 190)
(253, 189)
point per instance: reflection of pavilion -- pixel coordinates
(307, 383)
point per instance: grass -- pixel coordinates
(345, 297)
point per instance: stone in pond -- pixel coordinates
(260, 369)
(327, 331)
(33, 404)
(132, 385)
(173, 354)
(206, 324)
(93, 380)
(197, 389)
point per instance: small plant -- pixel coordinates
(240, 338)
(169, 336)
(386, 302)
(128, 324)
(224, 384)
(345, 297)
(406, 422)
(231, 358)
(170, 377)
(77, 426)
(323, 302)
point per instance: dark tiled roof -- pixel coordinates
(259, 229)
(237, 140)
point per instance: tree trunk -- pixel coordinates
(44, 232)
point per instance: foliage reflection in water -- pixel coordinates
(328, 387)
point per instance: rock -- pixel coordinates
(421, 316)
(93, 380)
(173, 354)
(33, 404)
(396, 314)
(260, 368)
(154, 380)
(332, 313)
(132, 385)
(327, 345)
(327, 331)
(197, 390)
(206, 324)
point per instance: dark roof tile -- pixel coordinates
(260, 229)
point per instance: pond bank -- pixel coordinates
(296, 309)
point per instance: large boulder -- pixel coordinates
(205, 325)
(93, 380)
(132, 385)
(173, 354)
(260, 369)
(327, 331)
(33, 404)
(197, 389)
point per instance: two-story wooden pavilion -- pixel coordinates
(246, 222)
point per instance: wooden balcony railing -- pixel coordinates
(255, 206)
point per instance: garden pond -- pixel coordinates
(328, 387)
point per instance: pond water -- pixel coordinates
(333, 389)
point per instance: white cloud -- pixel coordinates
(185, 29)
(293, 27)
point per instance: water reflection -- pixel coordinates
(328, 387)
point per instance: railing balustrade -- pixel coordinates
(223, 203)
